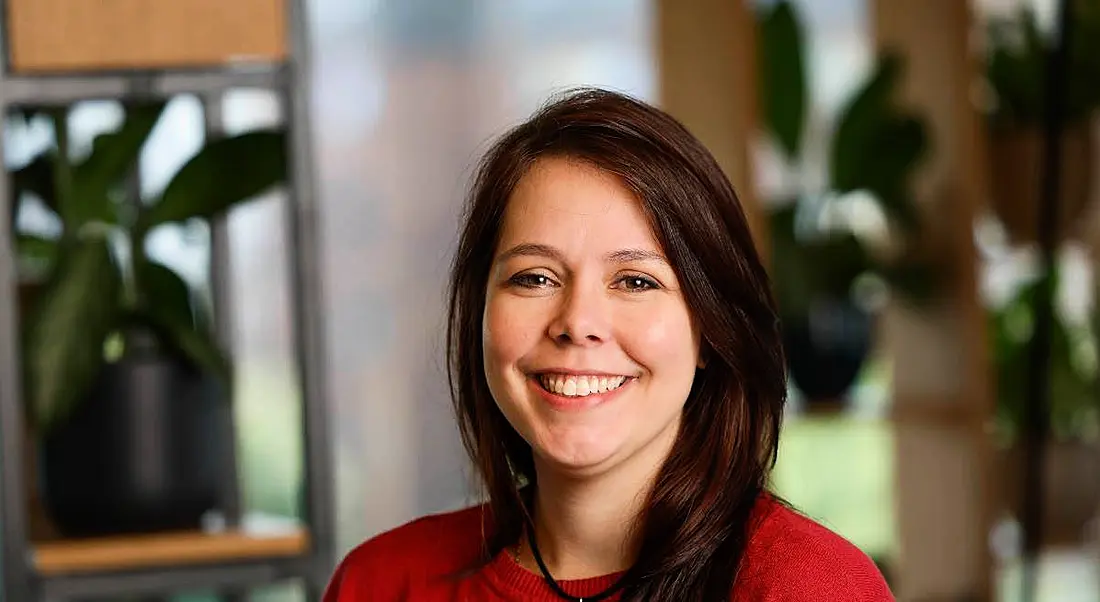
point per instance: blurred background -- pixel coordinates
(891, 156)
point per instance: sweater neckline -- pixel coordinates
(516, 579)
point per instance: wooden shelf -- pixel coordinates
(58, 36)
(127, 553)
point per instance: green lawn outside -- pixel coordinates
(840, 471)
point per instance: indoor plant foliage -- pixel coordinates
(873, 153)
(1072, 456)
(1074, 399)
(1017, 54)
(101, 280)
(116, 343)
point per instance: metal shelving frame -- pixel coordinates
(290, 80)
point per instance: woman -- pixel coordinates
(617, 372)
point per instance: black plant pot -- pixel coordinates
(144, 452)
(826, 349)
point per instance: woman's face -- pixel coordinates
(589, 347)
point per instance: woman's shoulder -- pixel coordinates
(436, 544)
(791, 553)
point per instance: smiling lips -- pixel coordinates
(571, 385)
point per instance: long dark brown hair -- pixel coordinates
(694, 529)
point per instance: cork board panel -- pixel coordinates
(105, 35)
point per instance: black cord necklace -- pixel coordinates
(607, 593)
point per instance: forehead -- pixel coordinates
(572, 204)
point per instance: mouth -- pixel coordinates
(580, 385)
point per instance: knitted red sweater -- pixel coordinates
(790, 558)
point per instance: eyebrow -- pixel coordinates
(628, 255)
(549, 252)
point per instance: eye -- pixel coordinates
(637, 283)
(532, 280)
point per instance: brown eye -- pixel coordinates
(532, 280)
(635, 283)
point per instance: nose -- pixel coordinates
(581, 318)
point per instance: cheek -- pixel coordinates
(663, 341)
(508, 333)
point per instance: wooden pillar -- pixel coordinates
(707, 74)
(943, 393)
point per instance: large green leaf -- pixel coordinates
(901, 144)
(164, 289)
(877, 147)
(889, 157)
(783, 75)
(859, 123)
(65, 338)
(171, 305)
(113, 157)
(200, 348)
(225, 172)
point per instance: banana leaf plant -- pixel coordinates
(875, 148)
(100, 280)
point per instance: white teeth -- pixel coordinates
(570, 388)
(580, 386)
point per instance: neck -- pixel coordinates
(585, 525)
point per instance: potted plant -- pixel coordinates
(874, 151)
(1071, 491)
(1017, 55)
(126, 389)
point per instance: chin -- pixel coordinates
(580, 456)
(581, 451)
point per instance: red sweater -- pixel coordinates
(790, 558)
